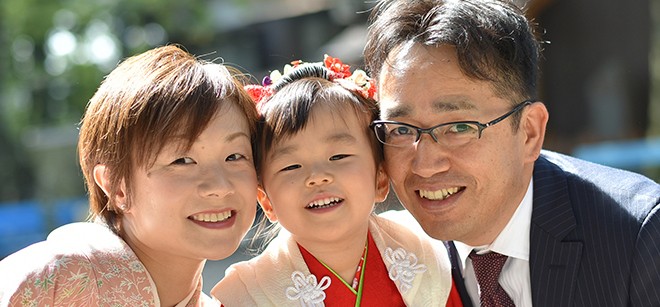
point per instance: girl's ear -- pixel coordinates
(382, 184)
(102, 179)
(265, 204)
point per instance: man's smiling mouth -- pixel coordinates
(441, 194)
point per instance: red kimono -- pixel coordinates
(377, 287)
(402, 267)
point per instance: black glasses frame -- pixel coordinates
(429, 131)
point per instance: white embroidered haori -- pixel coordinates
(279, 276)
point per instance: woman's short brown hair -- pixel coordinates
(141, 105)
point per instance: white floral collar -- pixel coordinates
(402, 268)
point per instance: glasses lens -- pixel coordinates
(456, 134)
(395, 134)
(402, 135)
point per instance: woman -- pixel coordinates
(166, 150)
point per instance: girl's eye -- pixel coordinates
(290, 167)
(183, 160)
(338, 157)
(235, 157)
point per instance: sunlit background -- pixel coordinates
(600, 81)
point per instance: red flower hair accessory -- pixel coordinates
(357, 81)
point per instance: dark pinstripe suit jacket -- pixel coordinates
(595, 236)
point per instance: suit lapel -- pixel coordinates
(553, 263)
(456, 274)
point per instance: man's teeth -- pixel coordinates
(439, 194)
(212, 217)
(324, 203)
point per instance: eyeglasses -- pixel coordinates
(399, 134)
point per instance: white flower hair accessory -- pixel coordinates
(307, 290)
(403, 267)
(357, 80)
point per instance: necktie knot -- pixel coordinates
(487, 268)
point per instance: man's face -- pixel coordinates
(469, 192)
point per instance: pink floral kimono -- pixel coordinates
(82, 264)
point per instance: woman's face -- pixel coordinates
(197, 203)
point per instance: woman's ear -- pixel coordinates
(102, 179)
(533, 124)
(265, 204)
(382, 184)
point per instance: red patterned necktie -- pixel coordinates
(487, 268)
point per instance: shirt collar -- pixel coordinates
(508, 242)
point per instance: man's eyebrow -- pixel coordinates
(454, 105)
(438, 106)
(398, 111)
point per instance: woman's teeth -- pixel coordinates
(212, 217)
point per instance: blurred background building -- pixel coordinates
(600, 80)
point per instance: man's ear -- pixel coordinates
(533, 124)
(382, 184)
(102, 179)
(265, 204)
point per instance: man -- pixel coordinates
(463, 133)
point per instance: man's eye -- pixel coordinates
(338, 157)
(235, 157)
(183, 160)
(462, 128)
(291, 167)
(401, 130)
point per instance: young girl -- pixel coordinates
(320, 176)
(165, 148)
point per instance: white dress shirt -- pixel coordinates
(513, 242)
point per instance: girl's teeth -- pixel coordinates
(322, 203)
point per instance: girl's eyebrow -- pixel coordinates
(282, 151)
(341, 137)
(236, 135)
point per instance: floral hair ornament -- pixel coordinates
(340, 73)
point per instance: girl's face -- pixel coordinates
(196, 204)
(321, 183)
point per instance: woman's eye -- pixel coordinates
(235, 157)
(291, 167)
(338, 157)
(183, 160)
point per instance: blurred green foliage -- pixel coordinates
(54, 57)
